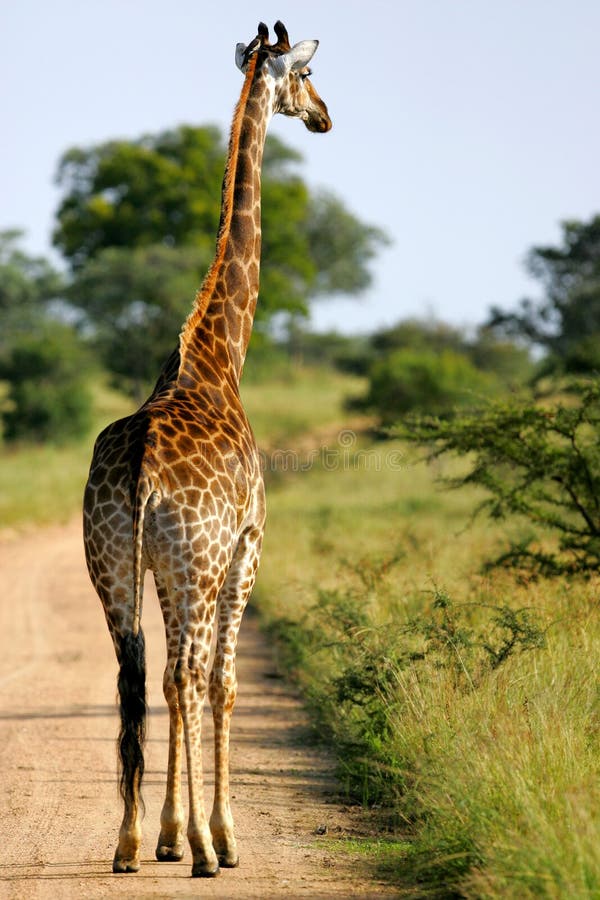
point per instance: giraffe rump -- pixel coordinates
(131, 685)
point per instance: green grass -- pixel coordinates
(502, 783)
(299, 400)
(482, 750)
(379, 855)
(324, 518)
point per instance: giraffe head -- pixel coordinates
(286, 69)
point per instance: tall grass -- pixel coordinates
(504, 774)
(465, 707)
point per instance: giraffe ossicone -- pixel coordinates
(177, 488)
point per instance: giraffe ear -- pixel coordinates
(240, 53)
(301, 54)
(297, 58)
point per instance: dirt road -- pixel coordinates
(59, 810)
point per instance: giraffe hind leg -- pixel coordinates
(132, 707)
(170, 845)
(188, 620)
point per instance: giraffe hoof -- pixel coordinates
(228, 862)
(121, 866)
(205, 870)
(164, 853)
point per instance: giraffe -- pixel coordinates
(177, 488)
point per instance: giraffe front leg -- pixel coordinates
(170, 840)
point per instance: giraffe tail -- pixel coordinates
(143, 491)
(132, 707)
(131, 682)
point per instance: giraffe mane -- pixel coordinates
(205, 293)
(255, 54)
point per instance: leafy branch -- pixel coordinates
(535, 461)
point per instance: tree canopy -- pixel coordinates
(42, 361)
(48, 398)
(136, 301)
(565, 322)
(27, 285)
(164, 189)
(159, 189)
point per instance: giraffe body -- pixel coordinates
(177, 488)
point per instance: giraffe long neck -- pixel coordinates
(220, 323)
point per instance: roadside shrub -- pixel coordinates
(353, 669)
(470, 729)
(422, 380)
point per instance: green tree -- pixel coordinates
(341, 351)
(42, 360)
(565, 322)
(433, 367)
(421, 380)
(47, 399)
(165, 189)
(486, 350)
(420, 334)
(136, 301)
(511, 363)
(536, 461)
(162, 188)
(27, 285)
(341, 247)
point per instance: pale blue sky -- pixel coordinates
(468, 129)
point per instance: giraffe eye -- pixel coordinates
(306, 74)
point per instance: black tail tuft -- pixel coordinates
(132, 703)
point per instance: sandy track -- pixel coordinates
(59, 811)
